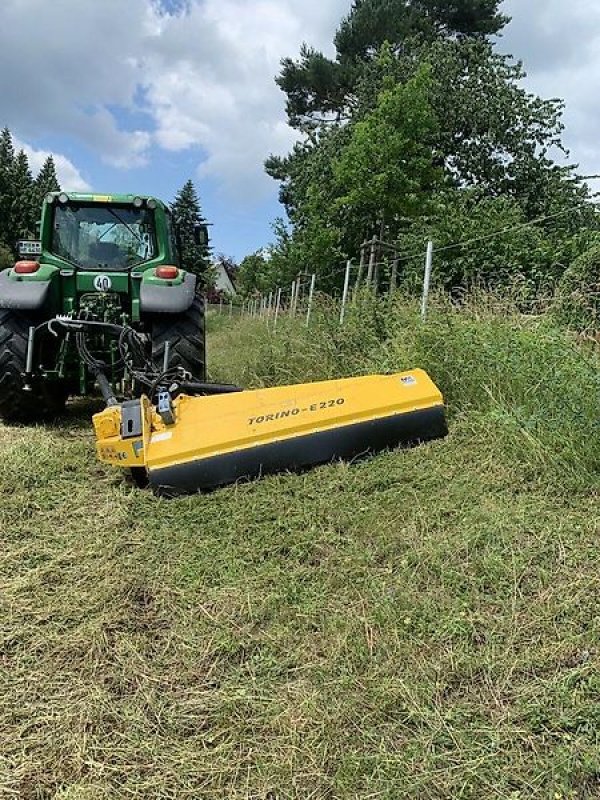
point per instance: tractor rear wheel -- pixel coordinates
(186, 336)
(17, 405)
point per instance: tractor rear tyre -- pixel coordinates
(186, 336)
(17, 405)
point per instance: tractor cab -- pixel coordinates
(106, 233)
(106, 237)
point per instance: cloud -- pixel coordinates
(196, 77)
(190, 74)
(559, 44)
(69, 176)
(64, 64)
(216, 89)
(552, 35)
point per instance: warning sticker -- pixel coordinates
(161, 437)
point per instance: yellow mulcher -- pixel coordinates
(184, 436)
(192, 443)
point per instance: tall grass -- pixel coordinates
(528, 382)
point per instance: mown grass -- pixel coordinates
(422, 625)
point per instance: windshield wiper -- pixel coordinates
(122, 221)
(102, 235)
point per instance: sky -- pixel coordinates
(140, 95)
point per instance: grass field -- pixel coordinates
(421, 625)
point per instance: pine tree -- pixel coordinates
(22, 214)
(319, 88)
(7, 159)
(187, 214)
(46, 181)
(20, 195)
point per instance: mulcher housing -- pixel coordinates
(199, 443)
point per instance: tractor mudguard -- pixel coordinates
(166, 297)
(23, 295)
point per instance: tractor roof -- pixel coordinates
(123, 199)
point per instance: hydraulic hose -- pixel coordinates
(193, 387)
(106, 389)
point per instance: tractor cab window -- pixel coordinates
(104, 237)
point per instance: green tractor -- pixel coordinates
(106, 259)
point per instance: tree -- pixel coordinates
(359, 180)
(20, 195)
(522, 253)
(378, 155)
(494, 134)
(254, 273)
(188, 217)
(318, 88)
(22, 213)
(46, 181)
(371, 23)
(7, 158)
(386, 173)
(577, 301)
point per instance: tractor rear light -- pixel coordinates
(26, 267)
(166, 273)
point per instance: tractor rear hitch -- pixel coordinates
(159, 381)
